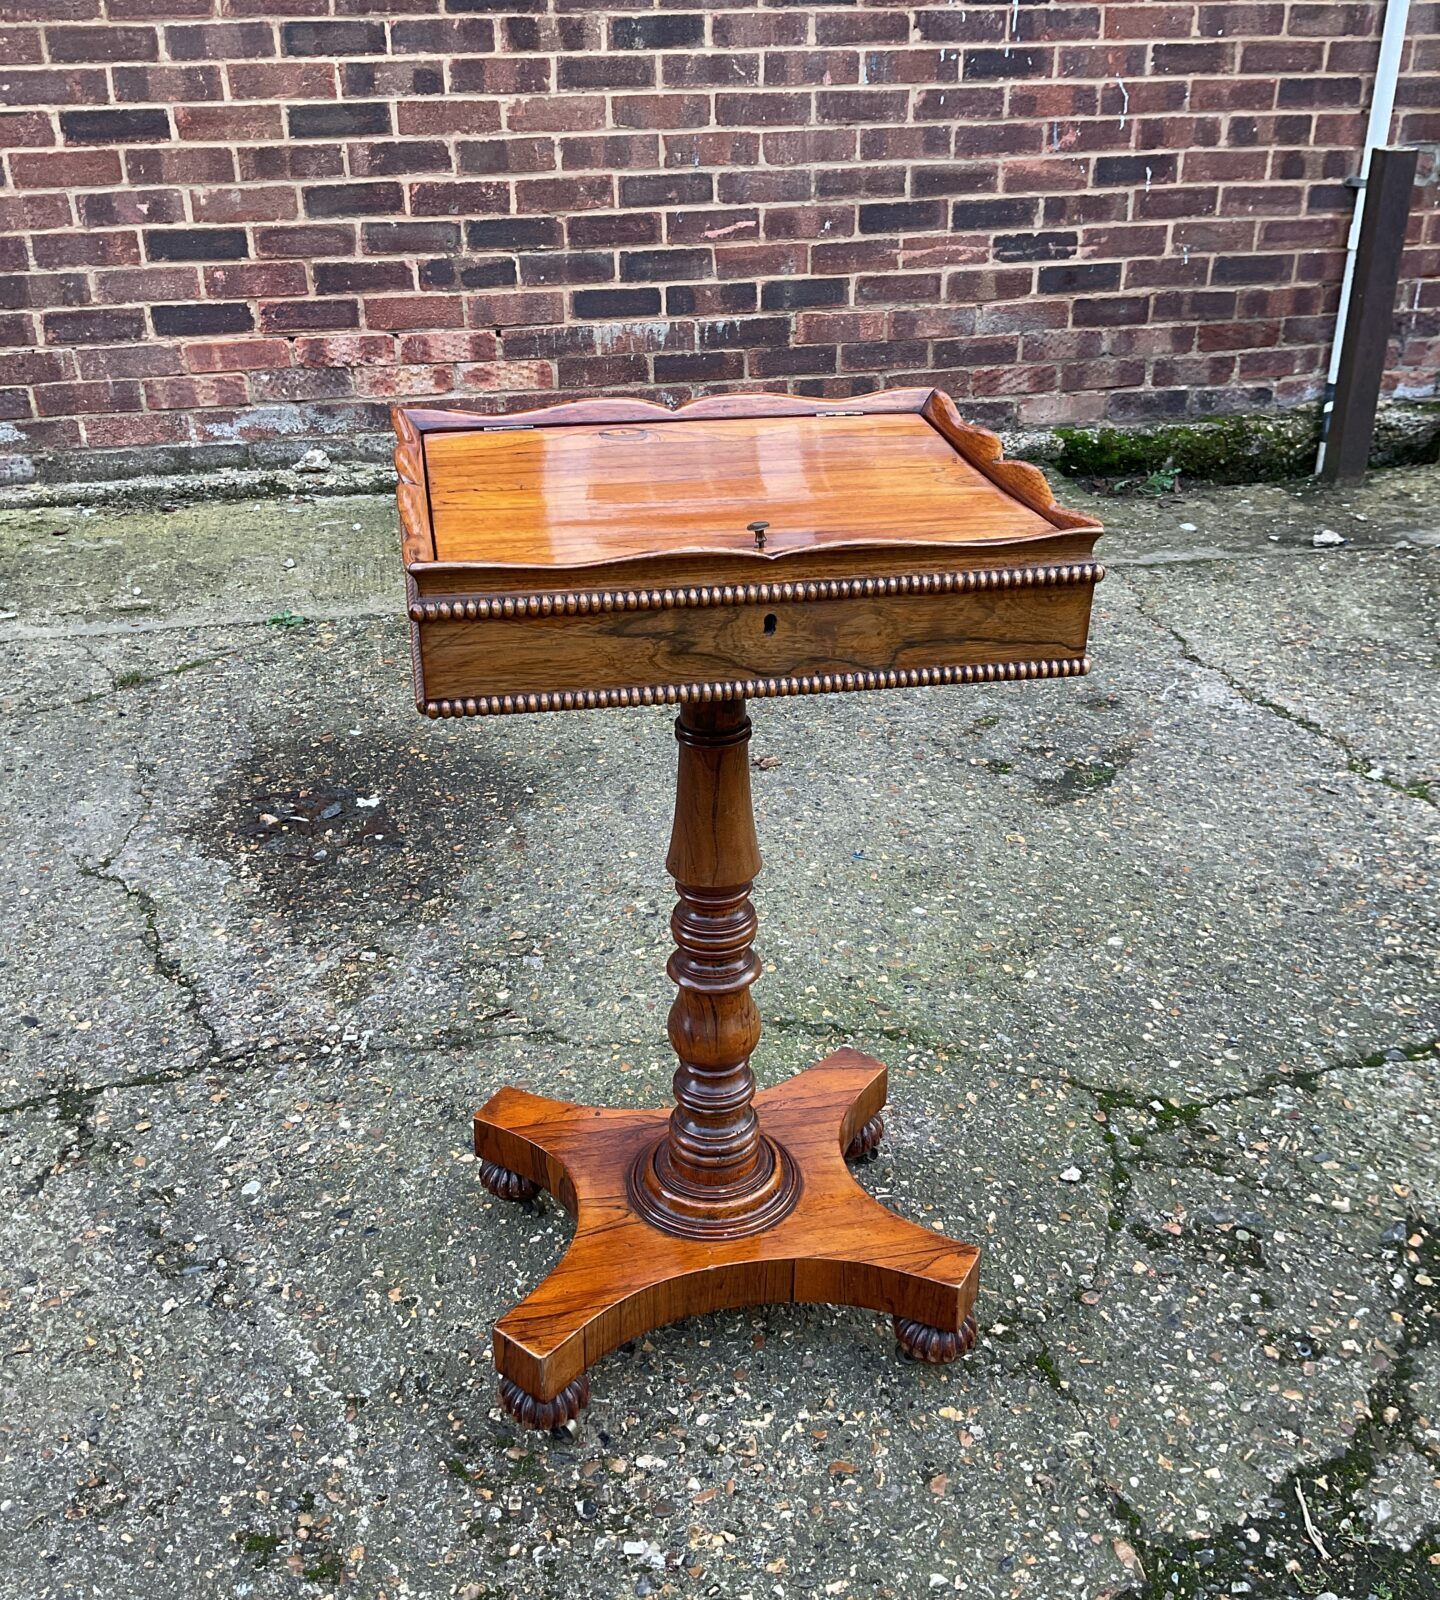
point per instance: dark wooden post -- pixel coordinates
(714, 1173)
(1350, 425)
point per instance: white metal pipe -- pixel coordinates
(1377, 132)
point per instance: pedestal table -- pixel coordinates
(612, 553)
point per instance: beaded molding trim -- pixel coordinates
(581, 603)
(499, 705)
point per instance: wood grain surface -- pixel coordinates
(621, 1277)
(560, 496)
(874, 633)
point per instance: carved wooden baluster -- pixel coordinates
(714, 1172)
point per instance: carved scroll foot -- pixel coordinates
(506, 1185)
(866, 1141)
(622, 1275)
(532, 1412)
(921, 1342)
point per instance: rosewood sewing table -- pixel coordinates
(613, 553)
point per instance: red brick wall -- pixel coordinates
(227, 222)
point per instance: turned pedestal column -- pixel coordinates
(715, 1174)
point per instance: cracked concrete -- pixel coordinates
(1151, 957)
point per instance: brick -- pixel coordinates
(1111, 311)
(565, 34)
(65, 169)
(610, 152)
(362, 277)
(92, 326)
(22, 129)
(132, 206)
(761, 188)
(196, 244)
(1046, 246)
(106, 43)
(862, 27)
(183, 164)
(903, 216)
(606, 72)
(442, 36)
(415, 311)
(789, 294)
(195, 394)
(220, 41)
(804, 359)
(245, 204)
(346, 350)
(550, 195)
(353, 199)
(616, 302)
(701, 366)
(52, 86)
(22, 47)
(1031, 62)
(744, 333)
(348, 118)
(659, 111)
(1079, 278)
(982, 215)
(660, 266)
(76, 399)
(499, 75)
(514, 233)
(410, 238)
(335, 239)
(255, 280)
(859, 105)
(449, 345)
(206, 317)
(309, 316)
(114, 127)
(287, 80)
(449, 116)
(745, 30)
(897, 288)
(401, 80)
(506, 155)
(751, 110)
(1145, 170)
(563, 268)
(128, 286)
(658, 31)
(87, 249)
(271, 163)
(227, 124)
(387, 159)
(599, 229)
(349, 38)
(667, 189)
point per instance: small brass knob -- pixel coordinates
(758, 529)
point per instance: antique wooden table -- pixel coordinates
(612, 553)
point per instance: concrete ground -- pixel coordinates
(1151, 957)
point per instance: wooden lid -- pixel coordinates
(596, 482)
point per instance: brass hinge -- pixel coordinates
(508, 427)
(839, 413)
